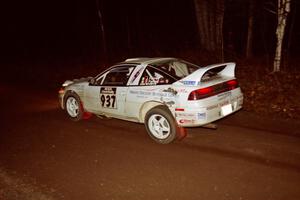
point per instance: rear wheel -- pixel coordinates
(161, 125)
(73, 107)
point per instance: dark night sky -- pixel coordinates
(39, 28)
(66, 29)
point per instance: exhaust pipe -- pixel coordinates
(210, 126)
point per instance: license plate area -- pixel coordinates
(226, 109)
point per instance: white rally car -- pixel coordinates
(166, 94)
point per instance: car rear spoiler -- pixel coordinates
(203, 74)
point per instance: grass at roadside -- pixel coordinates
(276, 95)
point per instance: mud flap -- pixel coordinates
(181, 132)
(85, 115)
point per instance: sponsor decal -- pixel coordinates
(108, 97)
(188, 115)
(223, 103)
(148, 93)
(201, 115)
(171, 90)
(182, 90)
(189, 82)
(212, 107)
(137, 74)
(186, 118)
(224, 95)
(148, 81)
(186, 121)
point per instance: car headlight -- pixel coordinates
(67, 83)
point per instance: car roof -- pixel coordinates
(145, 60)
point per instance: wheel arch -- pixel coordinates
(148, 106)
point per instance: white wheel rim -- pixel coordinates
(159, 126)
(72, 107)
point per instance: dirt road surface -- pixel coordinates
(44, 155)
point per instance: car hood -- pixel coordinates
(81, 80)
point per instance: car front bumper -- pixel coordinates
(61, 94)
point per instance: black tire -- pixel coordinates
(161, 125)
(73, 107)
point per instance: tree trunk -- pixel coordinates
(201, 16)
(287, 56)
(282, 14)
(102, 31)
(219, 29)
(250, 29)
(210, 14)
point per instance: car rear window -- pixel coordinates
(212, 73)
(153, 76)
(178, 69)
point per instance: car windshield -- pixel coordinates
(176, 68)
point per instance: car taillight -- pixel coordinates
(213, 90)
(201, 93)
(232, 84)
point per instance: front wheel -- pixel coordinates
(161, 125)
(73, 107)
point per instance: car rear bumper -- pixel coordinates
(195, 117)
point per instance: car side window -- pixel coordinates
(99, 81)
(152, 76)
(118, 76)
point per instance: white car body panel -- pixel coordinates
(138, 96)
(93, 104)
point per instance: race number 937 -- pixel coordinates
(108, 97)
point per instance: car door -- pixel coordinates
(109, 94)
(153, 85)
